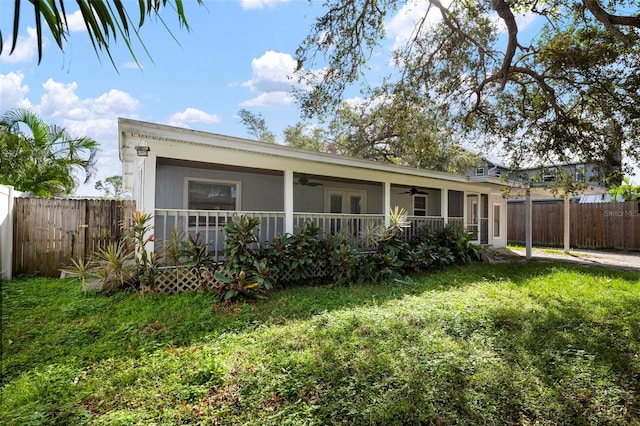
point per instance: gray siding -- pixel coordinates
(260, 192)
(406, 200)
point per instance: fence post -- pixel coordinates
(6, 232)
(567, 224)
(528, 227)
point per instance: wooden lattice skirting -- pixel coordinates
(180, 279)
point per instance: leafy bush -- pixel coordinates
(345, 262)
(193, 253)
(297, 255)
(244, 273)
(240, 245)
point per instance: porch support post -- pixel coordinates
(386, 203)
(528, 228)
(567, 224)
(465, 211)
(444, 205)
(288, 201)
(147, 196)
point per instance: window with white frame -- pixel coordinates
(419, 205)
(208, 194)
(212, 195)
(480, 171)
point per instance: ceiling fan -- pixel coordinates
(303, 180)
(414, 191)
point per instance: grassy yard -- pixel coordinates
(481, 344)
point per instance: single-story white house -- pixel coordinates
(195, 180)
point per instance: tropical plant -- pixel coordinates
(297, 256)
(171, 254)
(105, 20)
(146, 261)
(82, 270)
(345, 262)
(626, 191)
(243, 273)
(115, 265)
(252, 284)
(466, 251)
(42, 159)
(240, 242)
(194, 254)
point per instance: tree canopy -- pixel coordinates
(256, 126)
(42, 159)
(111, 186)
(571, 91)
(106, 20)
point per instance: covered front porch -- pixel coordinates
(195, 197)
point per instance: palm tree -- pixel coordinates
(105, 21)
(42, 159)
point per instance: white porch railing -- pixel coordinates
(434, 223)
(349, 225)
(210, 223)
(457, 222)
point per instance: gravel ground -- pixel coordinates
(629, 261)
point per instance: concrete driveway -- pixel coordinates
(629, 261)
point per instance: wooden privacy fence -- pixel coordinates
(49, 233)
(598, 225)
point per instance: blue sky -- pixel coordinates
(238, 54)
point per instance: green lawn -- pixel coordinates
(481, 344)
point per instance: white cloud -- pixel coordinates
(192, 115)
(260, 4)
(269, 99)
(61, 101)
(13, 91)
(26, 48)
(272, 72)
(115, 102)
(91, 117)
(76, 22)
(272, 79)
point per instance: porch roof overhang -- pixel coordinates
(193, 145)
